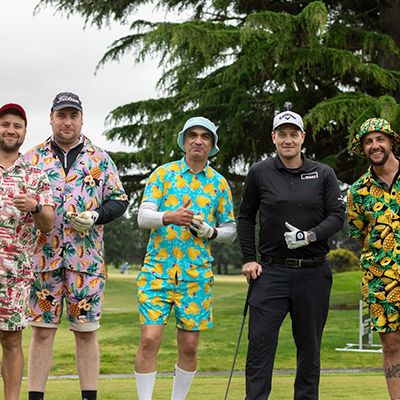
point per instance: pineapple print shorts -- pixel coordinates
(191, 301)
(83, 295)
(382, 294)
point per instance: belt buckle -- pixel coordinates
(293, 262)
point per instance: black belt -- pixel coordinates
(296, 262)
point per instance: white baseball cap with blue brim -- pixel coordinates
(203, 122)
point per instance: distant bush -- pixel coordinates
(342, 260)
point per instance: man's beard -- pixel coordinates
(382, 161)
(10, 148)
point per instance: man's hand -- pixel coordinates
(84, 220)
(181, 216)
(251, 270)
(24, 201)
(200, 228)
(296, 237)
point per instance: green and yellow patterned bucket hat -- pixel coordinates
(372, 125)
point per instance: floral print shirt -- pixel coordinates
(374, 215)
(17, 229)
(173, 252)
(91, 181)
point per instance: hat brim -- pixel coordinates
(66, 105)
(181, 140)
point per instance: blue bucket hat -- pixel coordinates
(203, 122)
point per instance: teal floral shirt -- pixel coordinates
(173, 252)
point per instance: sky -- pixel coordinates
(47, 53)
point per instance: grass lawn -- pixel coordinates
(120, 331)
(347, 387)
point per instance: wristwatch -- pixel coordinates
(37, 209)
(311, 236)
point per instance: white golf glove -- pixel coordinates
(84, 220)
(296, 237)
(201, 229)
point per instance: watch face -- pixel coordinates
(37, 209)
(300, 235)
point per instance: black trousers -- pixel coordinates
(304, 294)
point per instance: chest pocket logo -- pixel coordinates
(311, 175)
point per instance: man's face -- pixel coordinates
(67, 125)
(377, 147)
(198, 143)
(12, 132)
(288, 139)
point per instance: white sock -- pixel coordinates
(182, 382)
(145, 385)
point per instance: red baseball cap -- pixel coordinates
(16, 107)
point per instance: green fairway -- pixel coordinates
(349, 387)
(120, 331)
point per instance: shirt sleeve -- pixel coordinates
(115, 200)
(355, 217)
(334, 209)
(247, 217)
(225, 203)
(153, 191)
(44, 194)
(149, 217)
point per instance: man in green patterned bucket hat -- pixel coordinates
(373, 210)
(372, 125)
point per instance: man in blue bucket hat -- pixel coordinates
(186, 204)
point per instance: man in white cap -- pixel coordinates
(186, 204)
(300, 206)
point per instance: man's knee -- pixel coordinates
(150, 341)
(11, 341)
(85, 337)
(390, 343)
(41, 335)
(188, 347)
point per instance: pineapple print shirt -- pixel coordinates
(91, 181)
(17, 229)
(374, 215)
(173, 252)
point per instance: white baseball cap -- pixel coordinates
(288, 117)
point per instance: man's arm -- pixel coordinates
(110, 210)
(247, 227)
(247, 218)
(149, 217)
(334, 209)
(43, 215)
(44, 220)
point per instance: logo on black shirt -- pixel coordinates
(311, 175)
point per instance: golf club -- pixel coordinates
(246, 306)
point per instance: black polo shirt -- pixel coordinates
(309, 198)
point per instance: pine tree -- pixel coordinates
(238, 63)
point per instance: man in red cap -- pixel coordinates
(373, 207)
(25, 203)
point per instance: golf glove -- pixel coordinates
(202, 229)
(84, 220)
(296, 237)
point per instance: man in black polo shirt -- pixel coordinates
(300, 206)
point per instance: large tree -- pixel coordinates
(238, 62)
